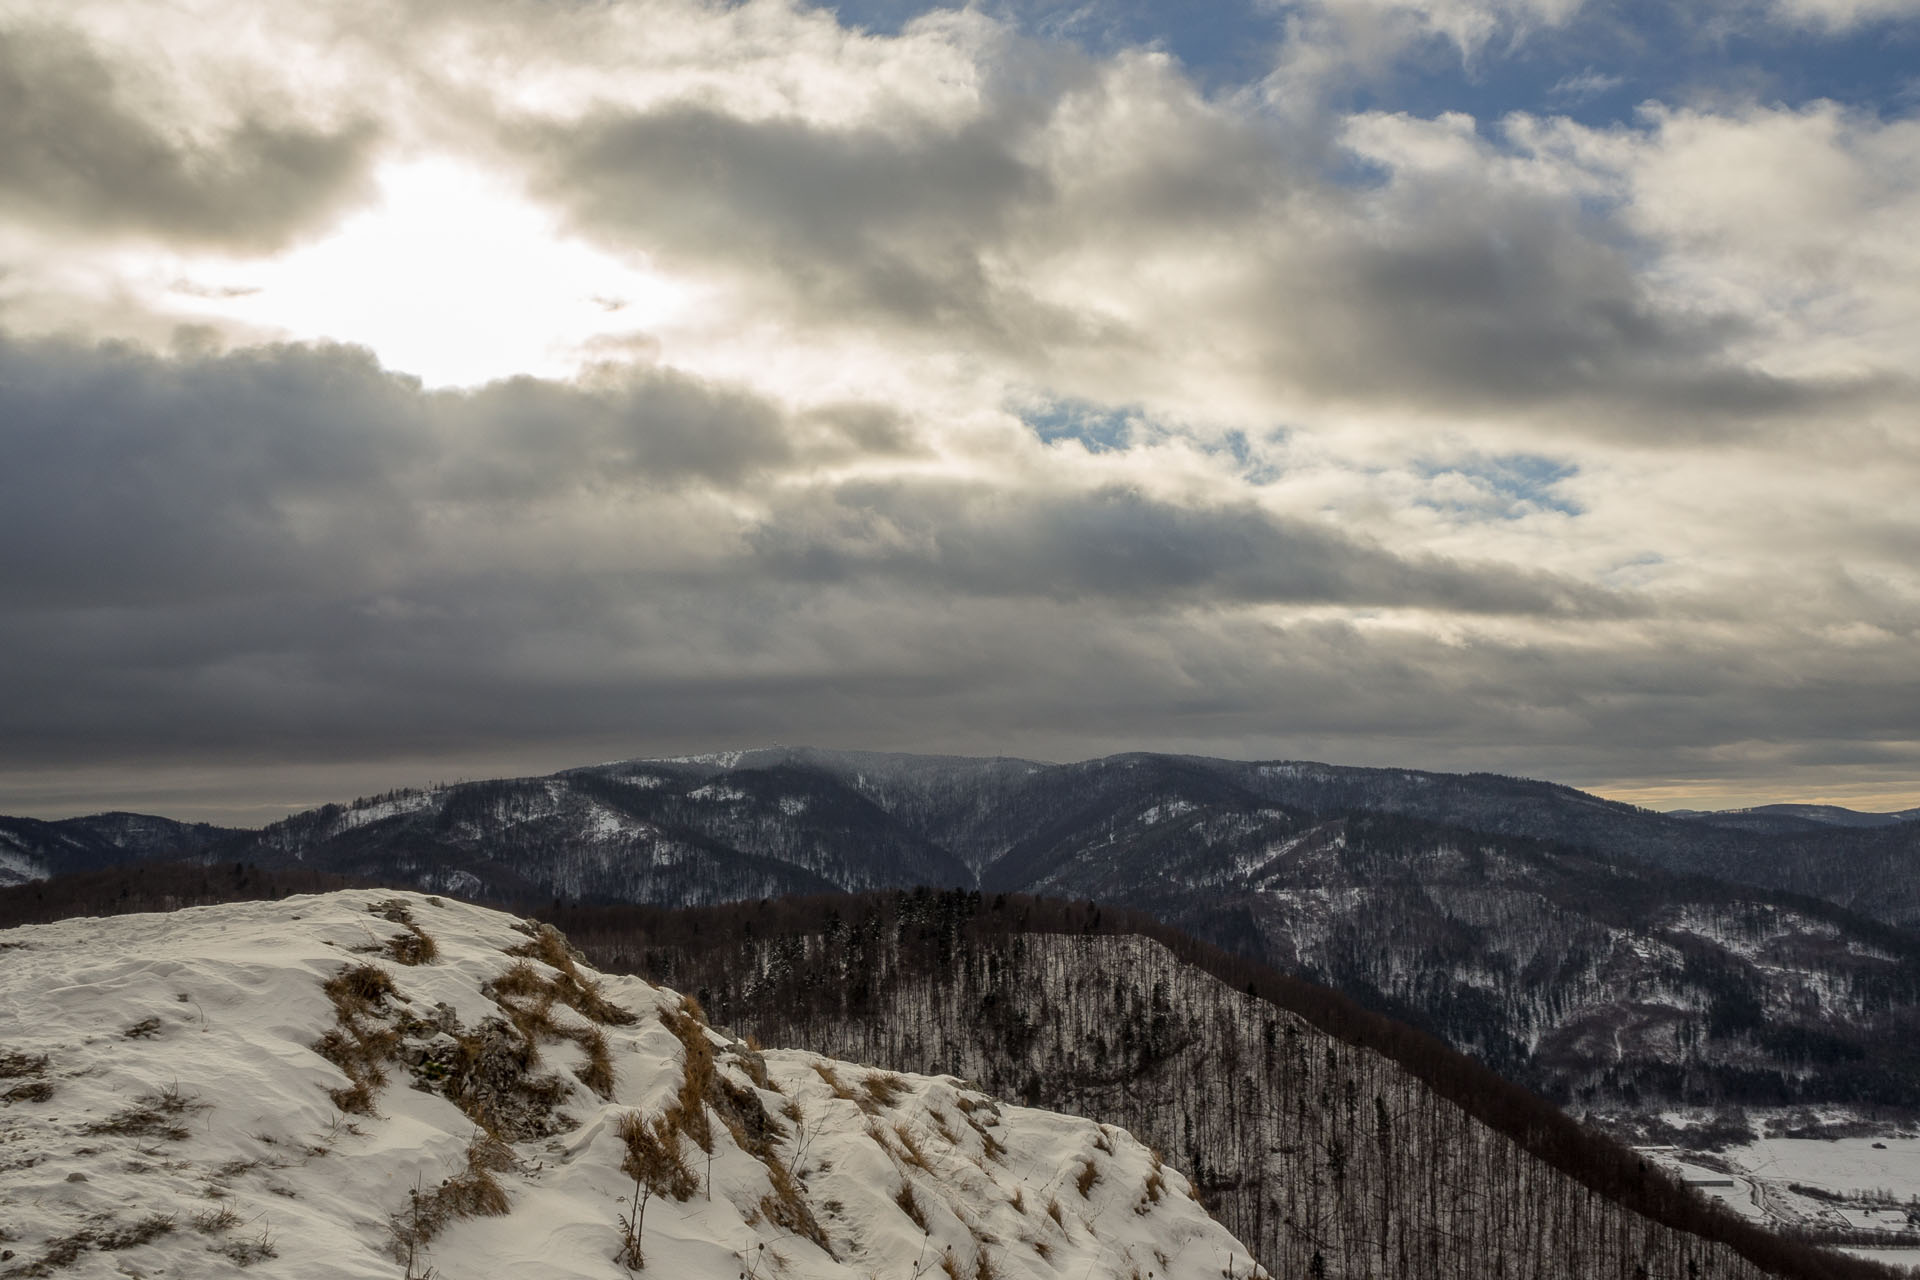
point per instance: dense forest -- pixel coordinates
(1334, 1141)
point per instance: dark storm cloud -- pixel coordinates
(80, 154)
(1484, 300)
(291, 546)
(885, 219)
(128, 478)
(1117, 542)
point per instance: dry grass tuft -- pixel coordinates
(884, 1088)
(1150, 1194)
(518, 980)
(357, 1048)
(473, 1192)
(655, 1158)
(359, 988)
(153, 1115)
(1088, 1175)
(14, 1065)
(134, 1234)
(597, 1074)
(24, 1066)
(910, 1148)
(413, 947)
(567, 986)
(786, 1208)
(244, 1253)
(910, 1205)
(216, 1221)
(61, 1252)
(834, 1083)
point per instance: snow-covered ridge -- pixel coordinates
(366, 1084)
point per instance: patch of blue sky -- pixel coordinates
(1601, 67)
(1097, 428)
(1504, 486)
(1250, 461)
(1597, 69)
(1223, 43)
(1108, 429)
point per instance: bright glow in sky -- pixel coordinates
(449, 275)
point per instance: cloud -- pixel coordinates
(80, 152)
(1467, 275)
(1372, 435)
(1591, 83)
(131, 480)
(1842, 15)
(1126, 546)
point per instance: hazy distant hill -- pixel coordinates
(33, 850)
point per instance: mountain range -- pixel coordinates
(1613, 958)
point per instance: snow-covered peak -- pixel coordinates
(366, 1084)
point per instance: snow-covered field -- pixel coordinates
(1849, 1166)
(164, 1112)
(1840, 1184)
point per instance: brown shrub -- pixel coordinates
(654, 1156)
(413, 947)
(359, 988)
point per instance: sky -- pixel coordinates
(404, 391)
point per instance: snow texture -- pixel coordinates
(166, 1114)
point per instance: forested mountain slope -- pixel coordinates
(33, 850)
(1332, 1141)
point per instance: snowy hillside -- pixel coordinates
(364, 1084)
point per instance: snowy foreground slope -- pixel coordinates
(366, 1084)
